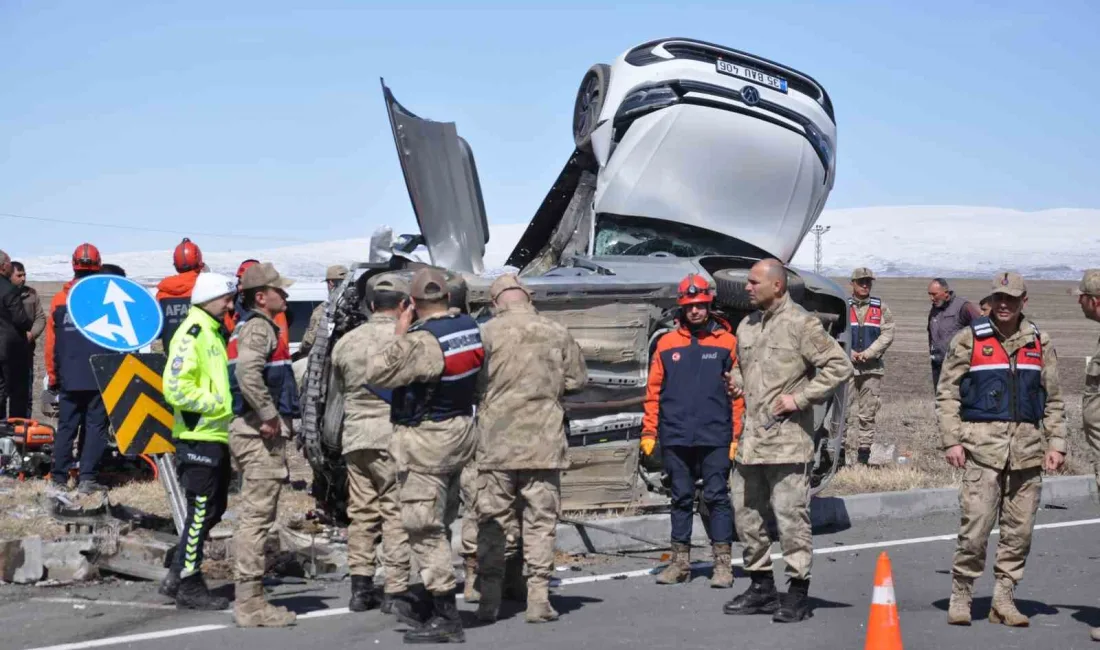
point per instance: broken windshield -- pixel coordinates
(640, 236)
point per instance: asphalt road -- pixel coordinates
(1059, 592)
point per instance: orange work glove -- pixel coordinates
(648, 443)
(733, 450)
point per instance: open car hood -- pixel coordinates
(443, 187)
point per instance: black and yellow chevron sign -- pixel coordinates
(134, 397)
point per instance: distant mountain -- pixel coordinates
(922, 241)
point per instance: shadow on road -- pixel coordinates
(821, 603)
(1083, 613)
(510, 609)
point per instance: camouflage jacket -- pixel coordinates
(530, 363)
(310, 335)
(874, 364)
(366, 414)
(1090, 402)
(256, 338)
(432, 447)
(784, 351)
(1018, 445)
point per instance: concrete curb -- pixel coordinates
(825, 512)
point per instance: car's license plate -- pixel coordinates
(755, 76)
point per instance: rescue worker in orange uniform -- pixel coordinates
(234, 315)
(70, 373)
(174, 292)
(688, 408)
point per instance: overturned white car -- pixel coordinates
(689, 157)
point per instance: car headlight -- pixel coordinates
(820, 143)
(646, 100)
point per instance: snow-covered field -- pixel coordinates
(922, 241)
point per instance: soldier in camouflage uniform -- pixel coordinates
(334, 275)
(1088, 296)
(786, 364)
(998, 392)
(872, 331)
(432, 368)
(468, 541)
(265, 399)
(372, 474)
(530, 363)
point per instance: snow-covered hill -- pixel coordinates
(952, 241)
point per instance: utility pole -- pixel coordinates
(818, 231)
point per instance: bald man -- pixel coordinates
(786, 364)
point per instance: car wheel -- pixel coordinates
(732, 285)
(590, 99)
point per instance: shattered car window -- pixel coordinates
(640, 236)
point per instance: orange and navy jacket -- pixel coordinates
(686, 400)
(67, 350)
(233, 317)
(174, 298)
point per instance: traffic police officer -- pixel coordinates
(530, 363)
(1088, 296)
(80, 403)
(998, 393)
(871, 327)
(174, 292)
(196, 386)
(698, 423)
(372, 474)
(787, 363)
(265, 399)
(432, 368)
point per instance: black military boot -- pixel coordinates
(760, 598)
(193, 594)
(863, 455)
(405, 606)
(170, 586)
(445, 626)
(795, 604)
(363, 597)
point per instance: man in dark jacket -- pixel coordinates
(948, 315)
(32, 304)
(14, 325)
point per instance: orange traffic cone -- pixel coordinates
(883, 628)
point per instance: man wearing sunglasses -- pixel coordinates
(871, 328)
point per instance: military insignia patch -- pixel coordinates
(195, 330)
(177, 365)
(987, 350)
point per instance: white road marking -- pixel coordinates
(111, 603)
(338, 611)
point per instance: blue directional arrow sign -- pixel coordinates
(114, 312)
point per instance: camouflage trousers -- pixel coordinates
(538, 495)
(429, 504)
(376, 516)
(866, 396)
(262, 463)
(468, 487)
(783, 489)
(985, 492)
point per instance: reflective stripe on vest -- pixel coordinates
(864, 334)
(278, 374)
(1000, 388)
(453, 394)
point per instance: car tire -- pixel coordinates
(732, 285)
(589, 103)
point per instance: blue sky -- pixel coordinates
(265, 119)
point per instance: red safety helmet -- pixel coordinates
(694, 289)
(187, 257)
(86, 258)
(245, 266)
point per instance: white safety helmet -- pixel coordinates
(209, 286)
